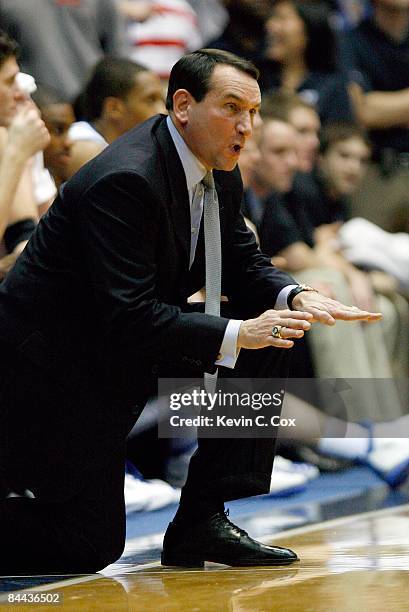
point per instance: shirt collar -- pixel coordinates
(194, 169)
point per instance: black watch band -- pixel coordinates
(296, 291)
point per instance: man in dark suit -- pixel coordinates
(96, 310)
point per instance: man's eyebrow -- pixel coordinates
(239, 99)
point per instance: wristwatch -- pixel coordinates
(296, 291)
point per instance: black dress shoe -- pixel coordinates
(220, 541)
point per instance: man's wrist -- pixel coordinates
(294, 292)
(229, 348)
(15, 154)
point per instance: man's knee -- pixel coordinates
(109, 552)
(85, 555)
(99, 544)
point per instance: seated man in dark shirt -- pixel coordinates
(294, 208)
(376, 55)
(273, 182)
(342, 165)
(287, 108)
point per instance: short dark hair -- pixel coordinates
(8, 47)
(279, 105)
(111, 76)
(335, 132)
(47, 96)
(194, 70)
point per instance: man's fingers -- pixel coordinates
(287, 332)
(280, 343)
(352, 313)
(292, 333)
(296, 323)
(326, 310)
(374, 317)
(321, 316)
(328, 313)
(292, 314)
(359, 315)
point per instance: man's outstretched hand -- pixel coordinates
(310, 307)
(326, 310)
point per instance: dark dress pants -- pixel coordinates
(62, 442)
(232, 468)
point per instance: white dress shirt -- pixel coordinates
(195, 172)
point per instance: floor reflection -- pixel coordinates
(354, 564)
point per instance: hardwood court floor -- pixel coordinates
(353, 564)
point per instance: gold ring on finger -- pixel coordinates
(276, 331)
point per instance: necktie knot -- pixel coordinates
(208, 181)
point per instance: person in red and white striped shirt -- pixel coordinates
(160, 32)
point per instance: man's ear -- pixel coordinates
(182, 101)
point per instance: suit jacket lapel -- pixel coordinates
(179, 197)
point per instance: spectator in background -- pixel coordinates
(344, 156)
(301, 57)
(289, 109)
(252, 206)
(279, 162)
(350, 12)
(159, 32)
(62, 40)
(211, 16)
(306, 122)
(377, 57)
(293, 109)
(287, 231)
(44, 187)
(22, 135)
(58, 117)
(119, 95)
(242, 34)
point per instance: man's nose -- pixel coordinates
(354, 165)
(67, 142)
(245, 125)
(292, 160)
(20, 95)
(315, 141)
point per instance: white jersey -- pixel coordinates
(82, 130)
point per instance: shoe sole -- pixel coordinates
(199, 563)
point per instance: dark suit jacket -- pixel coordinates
(100, 290)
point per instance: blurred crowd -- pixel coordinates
(325, 177)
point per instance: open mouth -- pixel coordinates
(236, 148)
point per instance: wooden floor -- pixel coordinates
(352, 564)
